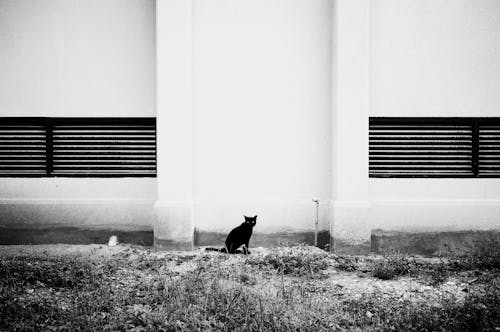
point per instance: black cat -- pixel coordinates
(238, 237)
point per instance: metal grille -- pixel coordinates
(489, 148)
(421, 147)
(88, 147)
(22, 147)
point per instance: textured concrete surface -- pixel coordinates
(217, 239)
(172, 245)
(430, 243)
(73, 235)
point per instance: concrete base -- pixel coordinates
(217, 239)
(429, 243)
(76, 221)
(174, 225)
(342, 247)
(350, 222)
(83, 213)
(173, 245)
(72, 235)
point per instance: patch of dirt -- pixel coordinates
(291, 288)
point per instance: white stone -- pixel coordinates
(113, 240)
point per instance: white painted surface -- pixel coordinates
(173, 209)
(351, 95)
(78, 188)
(273, 215)
(69, 58)
(262, 111)
(122, 203)
(435, 57)
(434, 189)
(122, 214)
(430, 215)
(174, 103)
(77, 58)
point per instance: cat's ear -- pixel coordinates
(255, 217)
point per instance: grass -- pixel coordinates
(290, 261)
(283, 289)
(484, 256)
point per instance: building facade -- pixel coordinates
(260, 107)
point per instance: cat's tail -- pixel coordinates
(216, 249)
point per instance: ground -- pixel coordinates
(133, 288)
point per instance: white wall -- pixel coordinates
(351, 102)
(174, 46)
(77, 58)
(262, 112)
(435, 58)
(70, 58)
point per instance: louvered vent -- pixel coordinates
(22, 148)
(489, 148)
(420, 147)
(104, 148)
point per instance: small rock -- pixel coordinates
(113, 240)
(369, 314)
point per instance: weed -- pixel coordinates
(227, 293)
(475, 313)
(347, 263)
(392, 266)
(484, 255)
(56, 273)
(396, 265)
(296, 261)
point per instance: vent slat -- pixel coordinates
(105, 157)
(429, 163)
(89, 168)
(411, 137)
(422, 148)
(104, 148)
(103, 153)
(58, 143)
(421, 153)
(111, 128)
(105, 162)
(430, 158)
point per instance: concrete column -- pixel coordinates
(262, 118)
(174, 225)
(351, 102)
